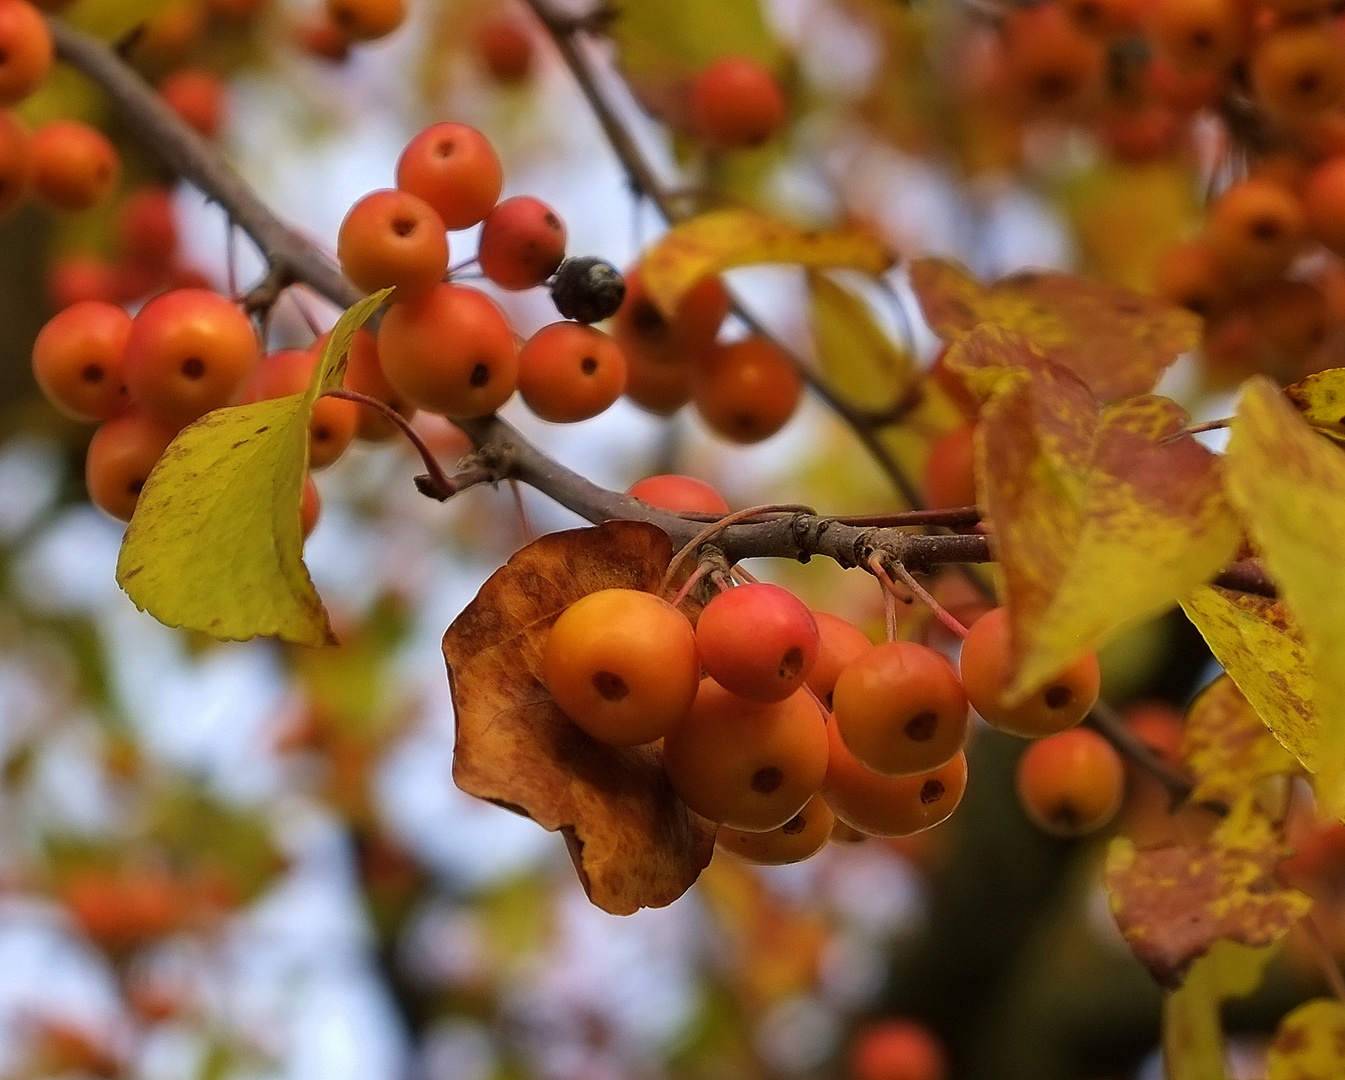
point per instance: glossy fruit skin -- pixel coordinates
(839, 643)
(568, 372)
(26, 50)
(79, 360)
(1254, 229)
(745, 764)
(758, 641)
(1070, 784)
(736, 104)
(190, 351)
(121, 454)
(662, 353)
(896, 1049)
(334, 420)
(799, 838)
(366, 20)
(146, 227)
(747, 391)
(987, 672)
(504, 47)
(900, 709)
(889, 805)
(391, 238)
(364, 375)
(522, 243)
(622, 665)
(680, 494)
(310, 508)
(199, 97)
(949, 479)
(450, 351)
(16, 161)
(454, 168)
(74, 165)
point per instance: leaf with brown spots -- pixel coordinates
(634, 843)
(1116, 341)
(1226, 746)
(1289, 484)
(1173, 903)
(1310, 1043)
(722, 239)
(1193, 1036)
(1100, 517)
(1321, 400)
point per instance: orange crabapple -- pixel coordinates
(661, 352)
(1070, 784)
(504, 46)
(75, 278)
(987, 671)
(310, 508)
(622, 665)
(318, 36)
(889, 806)
(199, 97)
(16, 161)
(569, 372)
(1255, 228)
(79, 359)
(391, 238)
(121, 455)
(1324, 203)
(896, 1049)
(74, 165)
(839, 642)
(455, 170)
(900, 709)
(799, 838)
(364, 375)
(522, 243)
(334, 421)
(1199, 35)
(1289, 319)
(26, 50)
(745, 764)
(736, 103)
(949, 477)
(189, 351)
(1049, 63)
(1158, 725)
(1299, 70)
(747, 391)
(366, 20)
(146, 227)
(1189, 275)
(680, 494)
(450, 351)
(758, 641)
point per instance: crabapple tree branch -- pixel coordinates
(502, 452)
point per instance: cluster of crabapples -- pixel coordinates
(777, 722)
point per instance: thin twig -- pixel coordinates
(940, 612)
(719, 526)
(437, 484)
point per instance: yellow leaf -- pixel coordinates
(722, 239)
(1193, 1039)
(679, 39)
(859, 360)
(1227, 747)
(1310, 1043)
(111, 19)
(1261, 647)
(1087, 504)
(214, 544)
(1321, 399)
(1289, 484)
(1116, 341)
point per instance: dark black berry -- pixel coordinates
(587, 289)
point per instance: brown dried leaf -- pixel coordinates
(1117, 341)
(634, 843)
(1173, 903)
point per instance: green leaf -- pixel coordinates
(722, 239)
(859, 360)
(215, 543)
(1289, 484)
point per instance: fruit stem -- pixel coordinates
(908, 579)
(435, 483)
(723, 523)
